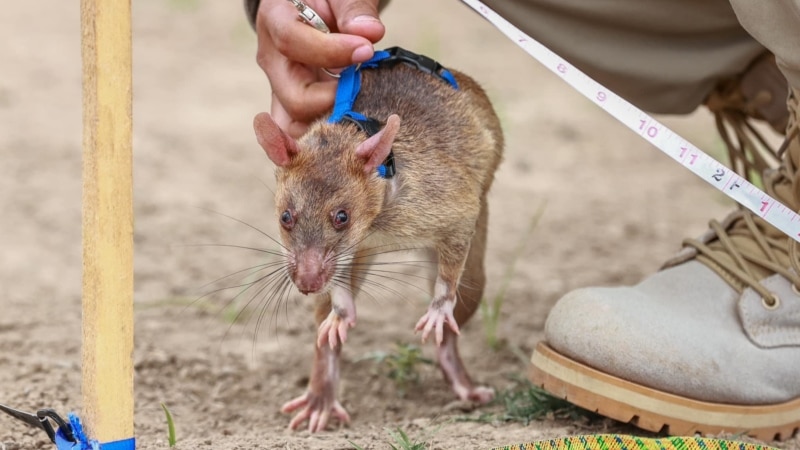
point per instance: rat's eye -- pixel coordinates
(340, 218)
(287, 220)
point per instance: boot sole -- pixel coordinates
(654, 410)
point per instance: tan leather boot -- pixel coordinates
(710, 343)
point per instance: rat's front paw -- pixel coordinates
(439, 313)
(317, 410)
(333, 329)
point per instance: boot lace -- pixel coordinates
(768, 250)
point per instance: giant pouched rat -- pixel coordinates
(334, 206)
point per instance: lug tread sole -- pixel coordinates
(655, 410)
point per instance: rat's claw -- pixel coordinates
(334, 330)
(303, 415)
(435, 319)
(319, 419)
(295, 403)
(314, 422)
(299, 418)
(316, 411)
(471, 393)
(481, 394)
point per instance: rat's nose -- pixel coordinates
(309, 284)
(309, 275)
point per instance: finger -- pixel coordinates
(322, 333)
(295, 128)
(324, 417)
(421, 322)
(342, 332)
(313, 422)
(294, 404)
(322, 339)
(298, 420)
(454, 327)
(332, 338)
(340, 412)
(453, 324)
(428, 328)
(301, 100)
(439, 331)
(301, 43)
(359, 17)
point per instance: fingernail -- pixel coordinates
(365, 18)
(363, 53)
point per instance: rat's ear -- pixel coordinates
(376, 148)
(280, 147)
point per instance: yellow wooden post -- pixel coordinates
(107, 220)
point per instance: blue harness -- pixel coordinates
(350, 84)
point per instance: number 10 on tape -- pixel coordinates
(679, 149)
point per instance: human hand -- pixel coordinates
(292, 54)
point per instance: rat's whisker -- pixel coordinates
(367, 284)
(410, 263)
(377, 272)
(362, 277)
(282, 295)
(274, 279)
(346, 284)
(252, 270)
(247, 287)
(263, 183)
(354, 250)
(467, 284)
(365, 273)
(355, 245)
(243, 247)
(288, 284)
(278, 285)
(392, 248)
(247, 225)
(249, 271)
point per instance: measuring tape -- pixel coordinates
(666, 140)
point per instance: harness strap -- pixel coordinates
(350, 85)
(421, 62)
(368, 125)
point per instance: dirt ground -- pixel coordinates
(614, 209)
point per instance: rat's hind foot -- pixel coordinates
(456, 374)
(477, 394)
(316, 410)
(333, 329)
(439, 313)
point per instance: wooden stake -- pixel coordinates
(107, 220)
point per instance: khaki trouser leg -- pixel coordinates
(663, 56)
(776, 25)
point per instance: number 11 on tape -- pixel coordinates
(666, 140)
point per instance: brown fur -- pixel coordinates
(446, 151)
